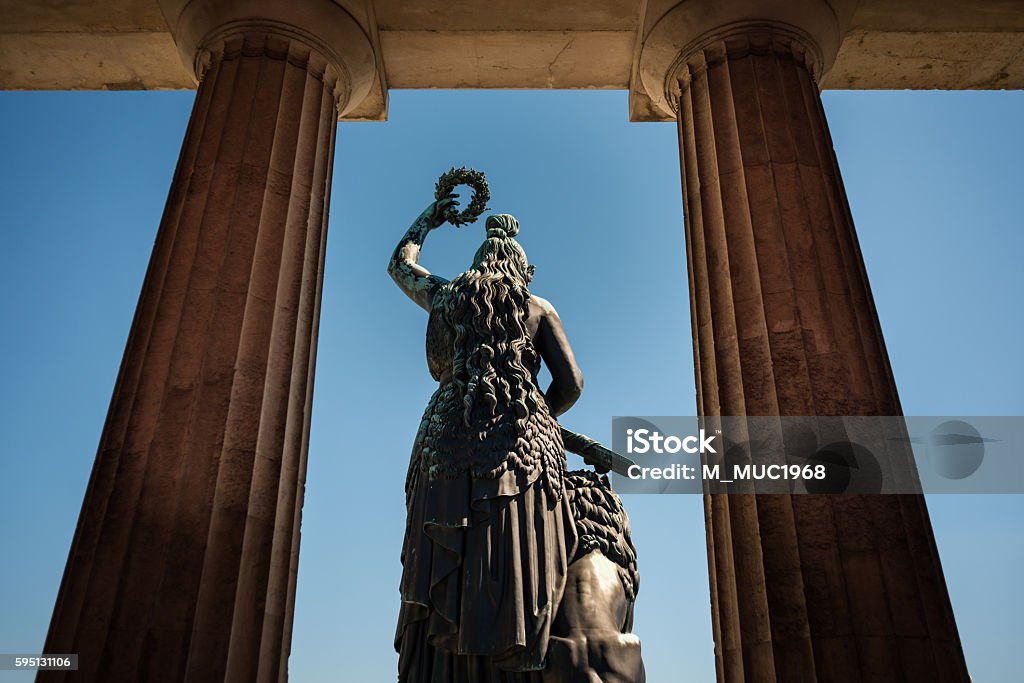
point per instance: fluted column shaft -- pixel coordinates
(183, 564)
(805, 587)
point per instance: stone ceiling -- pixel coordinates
(573, 44)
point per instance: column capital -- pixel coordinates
(203, 28)
(690, 33)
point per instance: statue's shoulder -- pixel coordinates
(542, 306)
(439, 295)
(540, 310)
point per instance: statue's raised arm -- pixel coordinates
(417, 282)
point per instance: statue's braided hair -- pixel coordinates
(487, 307)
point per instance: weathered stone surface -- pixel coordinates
(803, 587)
(184, 561)
(951, 44)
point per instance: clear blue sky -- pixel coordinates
(935, 184)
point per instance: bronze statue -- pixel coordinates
(514, 570)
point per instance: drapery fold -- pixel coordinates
(484, 570)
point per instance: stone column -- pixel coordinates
(184, 561)
(804, 587)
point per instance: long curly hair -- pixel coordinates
(487, 307)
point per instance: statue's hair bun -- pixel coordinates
(502, 226)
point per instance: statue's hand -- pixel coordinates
(436, 211)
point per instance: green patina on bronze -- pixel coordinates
(481, 194)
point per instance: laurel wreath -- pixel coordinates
(481, 194)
